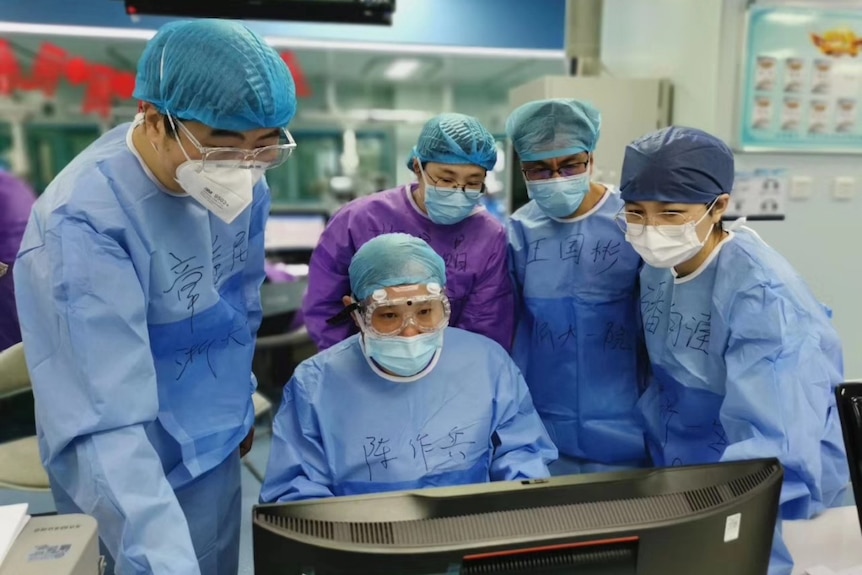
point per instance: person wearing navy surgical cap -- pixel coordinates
(408, 402)
(138, 285)
(744, 358)
(451, 158)
(578, 338)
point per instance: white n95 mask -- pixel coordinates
(665, 246)
(225, 191)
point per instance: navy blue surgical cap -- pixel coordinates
(676, 165)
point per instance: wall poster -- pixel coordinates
(802, 84)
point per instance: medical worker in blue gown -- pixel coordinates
(138, 283)
(408, 402)
(744, 357)
(578, 338)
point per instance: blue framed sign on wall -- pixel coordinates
(802, 83)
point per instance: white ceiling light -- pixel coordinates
(401, 69)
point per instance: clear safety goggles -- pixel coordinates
(266, 157)
(385, 315)
(668, 224)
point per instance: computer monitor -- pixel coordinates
(849, 400)
(293, 231)
(704, 520)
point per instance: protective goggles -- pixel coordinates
(267, 157)
(385, 315)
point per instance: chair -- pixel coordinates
(20, 464)
(849, 399)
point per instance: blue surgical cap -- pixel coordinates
(676, 165)
(456, 139)
(547, 129)
(410, 157)
(394, 260)
(218, 73)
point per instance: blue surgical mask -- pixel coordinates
(447, 207)
(560, 197)
(404, 356)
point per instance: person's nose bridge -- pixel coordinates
(409, 329)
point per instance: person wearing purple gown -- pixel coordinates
(16, 201)
(452, 156)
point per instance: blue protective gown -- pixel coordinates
(578, 337)
(745, 362)
(344, 428)
(139, 311)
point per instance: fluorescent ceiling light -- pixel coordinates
(367, 115)
(401, 69)
(295, 43)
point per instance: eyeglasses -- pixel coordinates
(266, 157)
(388, 317)
(567, 171)
(669, 224)
(448, 186)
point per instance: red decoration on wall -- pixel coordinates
(103, 85)
(10, 72)
(98, 98)
(77, 71)
(303, 89)
(48, 68)
(123, 85)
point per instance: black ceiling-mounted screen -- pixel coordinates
(378, 12)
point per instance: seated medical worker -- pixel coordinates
(138, 286)
(408, 403)
(451, 158)
(577, 339)
(745, 359)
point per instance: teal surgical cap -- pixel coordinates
(547, 129)
(455, 139)
(218, 73)
(676, 165)
(394, 260)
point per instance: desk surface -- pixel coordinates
(833, 540)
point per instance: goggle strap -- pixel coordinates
(343, 316)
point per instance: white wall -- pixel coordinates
(698, 45)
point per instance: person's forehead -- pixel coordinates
(456, 168)
(660, 206)
(204, 131)
(559, 160)
(400, 292)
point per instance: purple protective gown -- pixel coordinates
(16, 201)
(474, 249)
